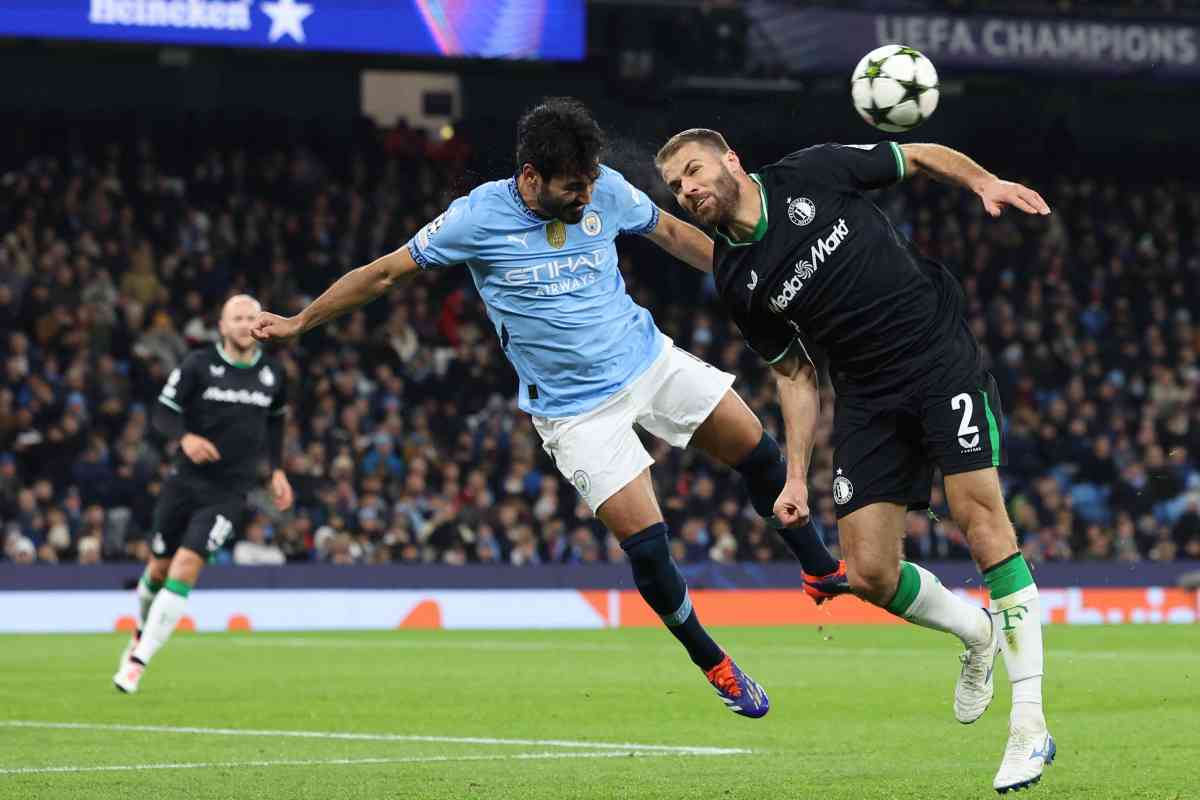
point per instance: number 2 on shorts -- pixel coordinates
(968, 434)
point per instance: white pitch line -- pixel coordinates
(379, 737)
(337, 762)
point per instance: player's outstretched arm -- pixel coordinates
(800, 402)
(950, 166)
(355, 288)
(684, 241)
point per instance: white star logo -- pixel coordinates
(839, 472)
(287, 19)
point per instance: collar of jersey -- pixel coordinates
(760, 230)
(239, 364)
(520, 201)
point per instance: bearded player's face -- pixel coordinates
(702, 183)
(237, 317)
(564, 197)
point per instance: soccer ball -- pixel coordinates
(894, 88)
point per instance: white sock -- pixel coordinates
(165, 613)
(1019, 616)
(145, 597)
(922, 600)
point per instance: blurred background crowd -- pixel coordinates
(404, 443)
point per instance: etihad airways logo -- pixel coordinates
(559, 276)
(806, 268)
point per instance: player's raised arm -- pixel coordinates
(950, 166)
(683, 240)
(355, 288)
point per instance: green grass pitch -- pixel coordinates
(857, 712)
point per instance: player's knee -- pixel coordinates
(875, 583)
(984, 522)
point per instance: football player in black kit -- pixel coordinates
(810, 269)
(226, 405)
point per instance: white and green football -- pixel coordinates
(894, 88)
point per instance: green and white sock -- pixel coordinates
(165, 613)
(147, 589)
(922, 600)
(1016, 609)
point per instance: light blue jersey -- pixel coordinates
(553, 291)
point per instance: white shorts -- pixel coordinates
(599, 451)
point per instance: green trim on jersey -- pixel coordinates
(899, 154)
(170, 404)
(993, 429)
(760, 230)
(239, 364)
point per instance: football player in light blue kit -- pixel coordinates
(591, 362)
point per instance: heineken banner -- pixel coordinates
(824, 40)
(527, 29)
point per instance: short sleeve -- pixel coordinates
(766, 334)
(180, 386)
(635, 211)
(448, 239)
(280, 400)
(854, 166)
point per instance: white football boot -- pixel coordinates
(128, 651)
(974, 690)
(128, 675)
(1030, 749)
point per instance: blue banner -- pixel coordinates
(829, 40)
(523, 29)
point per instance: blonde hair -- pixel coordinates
(705, 136)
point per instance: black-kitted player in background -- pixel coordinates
(809, 267)
(226, 405)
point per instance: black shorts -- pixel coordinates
(887, 452)
(196, 515)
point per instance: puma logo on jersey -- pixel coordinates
(518, 239)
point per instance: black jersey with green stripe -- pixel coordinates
(229, 403)
(825, 266)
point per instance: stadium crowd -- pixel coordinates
(404, 443)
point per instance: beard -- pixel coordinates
(721, 203)
(569, 213)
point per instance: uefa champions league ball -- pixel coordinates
(894, 88)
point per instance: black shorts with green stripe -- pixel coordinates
(886, 452)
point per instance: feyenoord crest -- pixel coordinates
(556, 234)
(266, 376)
(801, 210)
(843, 489)
(591, 223)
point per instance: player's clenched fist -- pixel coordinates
(791, 509)
(199, 449)
(272, 327)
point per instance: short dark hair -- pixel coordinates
(705, 136)
(559, 136)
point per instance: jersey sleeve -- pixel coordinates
(854, 166)
(279, 403)
(766, 334)
(635, 211)
(450, 238)
(181, 385)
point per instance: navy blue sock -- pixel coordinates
(765, 473)
(664, 590)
